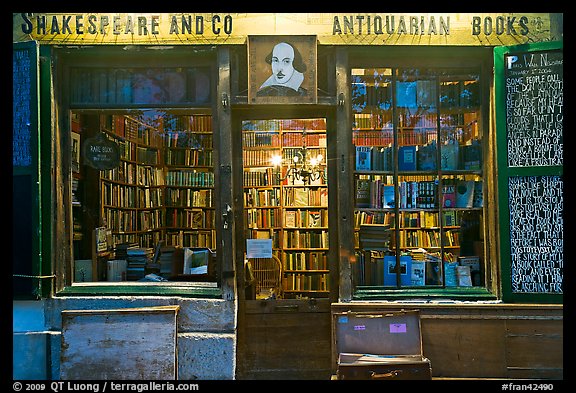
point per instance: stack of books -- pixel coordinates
(374, 236)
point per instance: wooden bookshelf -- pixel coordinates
(131, 195)
(189, 187)
(294, 216)
(162, 191)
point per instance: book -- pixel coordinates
(464, 193)
(324, 196)
(165, 260)
(363, 158)
(472, 156)
(449, 157)
(478, 200)
(300, 196)
(473, 262)
(194, 259)
(426, 157)
(448, 194)
(198, 218)
(388, 197)
(116, 270)
(463, 276)
(290, 219)
(314, 219)
(449, 218)
(262, 234)
(374, 236)
(450, 274)
(382, 158)
(390, 270)
(83, 270)
(418, 273)
(363, 192)
(102, 236)
(407, 158)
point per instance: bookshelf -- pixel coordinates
(189, 187)
(291, 213)
(161, 192)
(418, 168)
(131, 194)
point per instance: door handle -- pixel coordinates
(389, 375)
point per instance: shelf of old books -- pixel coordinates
(278, 205)
(417, 137)
(189, 181)
(131, 194)
(162, 190)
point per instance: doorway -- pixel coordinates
(284, 309)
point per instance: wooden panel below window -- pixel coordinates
(285, 339)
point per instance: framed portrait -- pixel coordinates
(282, 69)
(75, 152)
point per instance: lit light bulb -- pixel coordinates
(276, 160)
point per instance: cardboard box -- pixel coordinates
(116, 270)
(380, 346)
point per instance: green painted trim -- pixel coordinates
(505, 172)
(33, 170)
(142, 290)
(45, 175)
(451, 293)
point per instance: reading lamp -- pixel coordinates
(301, 167)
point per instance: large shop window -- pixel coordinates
(419, 184)
(143, 188)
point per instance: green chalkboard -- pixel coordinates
(529, 98)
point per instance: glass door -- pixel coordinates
(285, 194)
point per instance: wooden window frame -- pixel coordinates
(64, 59)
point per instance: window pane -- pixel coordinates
(375, 198)
(286, 204)
(158, 86)
(151, 209)
(418, 177)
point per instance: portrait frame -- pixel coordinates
(260, 47)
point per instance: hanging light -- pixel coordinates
(301, 167)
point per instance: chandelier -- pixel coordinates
(302, 166)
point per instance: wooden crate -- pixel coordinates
(126, 343)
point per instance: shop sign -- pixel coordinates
(101, 153)
(475, 29)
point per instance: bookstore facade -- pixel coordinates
(237, 185)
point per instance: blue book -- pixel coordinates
(390, 270)
(363, 158)
(407, 158)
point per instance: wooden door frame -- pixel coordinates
(254, 112)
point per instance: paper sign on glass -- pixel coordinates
(259, 248)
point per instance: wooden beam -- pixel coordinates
(345, 184)
(224, 176)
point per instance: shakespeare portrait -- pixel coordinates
(282, 69)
